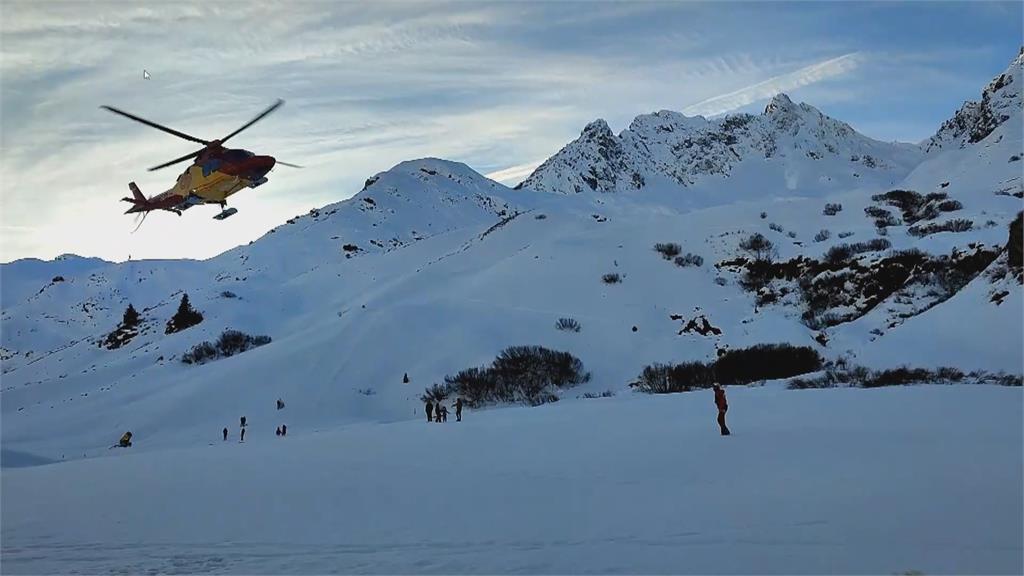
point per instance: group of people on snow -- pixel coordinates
(281, 430)
(439, 412)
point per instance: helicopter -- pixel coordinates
(216, 173)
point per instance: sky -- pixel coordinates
(498, 86)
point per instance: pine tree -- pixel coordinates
(131, 317)
(185, 317)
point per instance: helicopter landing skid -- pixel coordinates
(226, 213)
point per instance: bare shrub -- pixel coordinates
(567, 325)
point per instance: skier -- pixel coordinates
(284, 429)
(723, 406)
(126, 440)
(225, 434)
(430, 411)
(443, 411)
(458, 409)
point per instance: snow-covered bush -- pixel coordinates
(766, 362)
(229, 343)
(200, 353)
(776, 227)
(669, 379)
(611, 278)
(955, 225)
(822, 236)
(861, 377)
(567, 325)
(843, 252)
(882, 217)
(436, 393)
(668, 250)
(950, 206)
(758, 247)
(759, 362)
(520, 374)
(832, 209)
(689, 259)
(1014, 247)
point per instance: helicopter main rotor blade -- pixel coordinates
(154, 125)
(273, 107)
(287, 164)
(176, 160)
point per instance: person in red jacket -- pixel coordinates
(723, 406)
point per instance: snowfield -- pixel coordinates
(881, 481)
(432, 268)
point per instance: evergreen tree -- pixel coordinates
(131, 317)
(185, 317)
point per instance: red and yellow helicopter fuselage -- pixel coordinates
(215, 173)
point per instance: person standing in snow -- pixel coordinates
(241, 437)
(443, 411)
(284, 429)
(280, 404)
(458, 409)
(430, 411)
(241, 422)
(225, 434)
(278, 431)
(723, 406)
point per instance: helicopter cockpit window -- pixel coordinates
(237, 155)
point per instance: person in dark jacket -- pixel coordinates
(241, 437)
(225, 434)
(723, 406)
(280, 404)
(443, 411)
(430, 411)
(284, 429)
(458, 409)
(241, 422)
(278, 431)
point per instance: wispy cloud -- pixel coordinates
(514, 174)
(767, 88)
(495, 85)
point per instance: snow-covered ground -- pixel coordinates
(881, 481)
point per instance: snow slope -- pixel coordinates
(812, 482)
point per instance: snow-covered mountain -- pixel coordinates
(789, 149)
(433, 268)
(975, 121)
